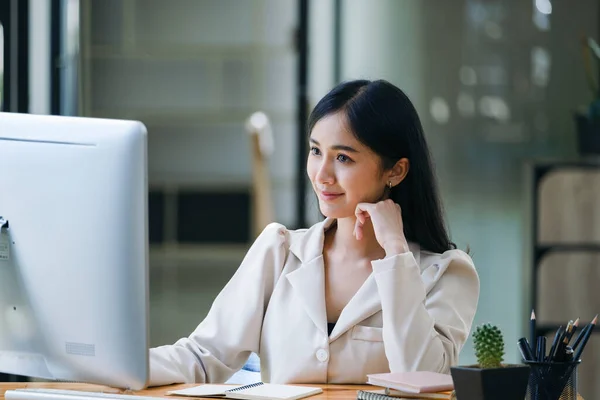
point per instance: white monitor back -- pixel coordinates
(74, 265)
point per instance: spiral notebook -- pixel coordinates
(397, 395)
(255, 391)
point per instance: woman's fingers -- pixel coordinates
(362, 213)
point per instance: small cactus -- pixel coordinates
(489, 346)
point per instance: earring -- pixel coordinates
(390, 184)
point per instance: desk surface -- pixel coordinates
(337, 392)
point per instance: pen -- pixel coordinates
(563, 342)
(575, 326)
(565, 348)
(525, 350)
(569, 354)
(541, 348)
(568, 331)
(557, 336)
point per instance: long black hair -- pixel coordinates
(382, 117)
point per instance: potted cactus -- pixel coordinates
(490, 379)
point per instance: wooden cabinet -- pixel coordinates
(565, 281)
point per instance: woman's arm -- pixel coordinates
(425, 327)
(222, 342)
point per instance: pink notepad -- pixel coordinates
(413, 382)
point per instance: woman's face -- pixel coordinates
(343, 171)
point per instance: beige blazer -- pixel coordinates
(414, 312)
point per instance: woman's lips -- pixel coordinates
(330, 196)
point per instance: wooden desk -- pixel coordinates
(336, 392)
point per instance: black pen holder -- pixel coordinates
(552, 380)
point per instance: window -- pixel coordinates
(1, 66)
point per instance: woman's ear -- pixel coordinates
(399, 171)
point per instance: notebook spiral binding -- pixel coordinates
(237, 389)
(362, 395)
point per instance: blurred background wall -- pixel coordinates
(495, 83)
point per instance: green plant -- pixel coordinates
(489, 346)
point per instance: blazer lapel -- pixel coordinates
(364, 303)
(308, 282)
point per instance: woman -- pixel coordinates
(376, 287)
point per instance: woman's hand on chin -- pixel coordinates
(386, 217)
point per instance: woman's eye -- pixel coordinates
(343, 158)
(314, 151)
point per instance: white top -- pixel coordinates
(414, 312)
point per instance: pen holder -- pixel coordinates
(552, 380)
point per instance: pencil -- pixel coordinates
(575, 326)
(581, 336)
(584, 341)
(532, 335)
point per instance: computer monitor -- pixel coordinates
(74, 249)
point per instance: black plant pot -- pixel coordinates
(588, 135)
(505, 383)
